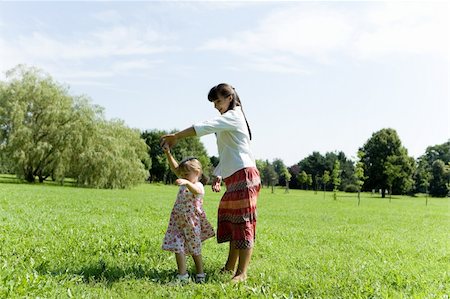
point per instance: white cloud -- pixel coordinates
(127, 45)
(320, 32)
(408, 28)
(296, 31)
(116, 41)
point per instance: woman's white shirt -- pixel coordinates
(233, 141)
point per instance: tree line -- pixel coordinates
(383, 165)
(46, 133)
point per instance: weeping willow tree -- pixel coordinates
(47, 133)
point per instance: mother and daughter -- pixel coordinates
(236, 221)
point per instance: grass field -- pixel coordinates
(63, 242)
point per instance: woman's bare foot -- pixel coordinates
(224, 270)
(239, 278)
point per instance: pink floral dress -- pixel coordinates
(188, 225)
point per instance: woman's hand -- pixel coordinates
(168, 141)
(216, 184)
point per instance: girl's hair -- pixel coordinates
(226, 90)
(192, 164)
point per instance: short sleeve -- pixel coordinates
(225, 122)
(201, 187)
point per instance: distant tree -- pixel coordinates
(271, 175)
(302, 179)
(287, 178)
(325, 180)
(159, 166)
(315, 164)
(424, 178)
(359, 174)
(392, 170)
(336, 178)
(317, 180)
(377, 149)
(262, 165)
(115, 157)
(280, 168)
(437, 152)
(294, 170)
(309, 181)
(440, 181)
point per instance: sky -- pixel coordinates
(311, 75)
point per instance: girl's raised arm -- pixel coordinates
(172, 162)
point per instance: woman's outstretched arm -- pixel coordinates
(171, 139)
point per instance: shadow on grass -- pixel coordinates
(101, 273)
(10, 179)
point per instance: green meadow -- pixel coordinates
(67, 242)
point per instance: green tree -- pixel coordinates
(36, 115)
(46, 132)
(281, 170)
(440, 181)
(315, 164)
(424, 177)
(309, 181)
(359, 174)
(392, 170)
(317, 179)
(270, 175)
(287, 178)
(336, 177)
(159, 167)
(302, 179)
(377, 149)
(38, 123)
(325, 180)
(113, 157)
(261, 165)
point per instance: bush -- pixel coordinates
(351, 188)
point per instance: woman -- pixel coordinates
(237, 208)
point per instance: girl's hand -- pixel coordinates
(166, 149)
(181, 182)
(216, 184)
(168, 141)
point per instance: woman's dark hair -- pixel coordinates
(226, 90)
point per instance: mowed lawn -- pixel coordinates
(63, 242)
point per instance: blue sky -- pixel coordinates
(312, 76)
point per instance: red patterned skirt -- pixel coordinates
(237, 209)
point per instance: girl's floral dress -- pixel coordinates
(188, 225)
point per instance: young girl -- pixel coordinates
(237, 208)
(188, 225)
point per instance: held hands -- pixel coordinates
(168, 141)
(216, 184)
